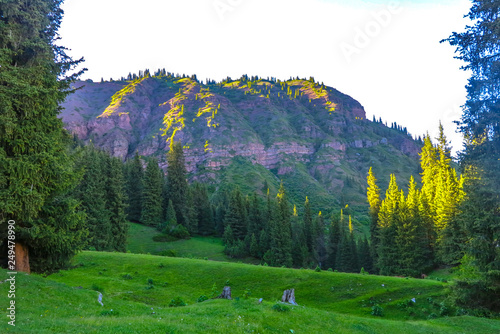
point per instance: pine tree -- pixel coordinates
(364, 255)
(92, 193)
(333, 243)
(478, 47)
(203, 209)
(319, 246)
(37, 172)
(308, 226)
(135, 188)
(170, 218)
(283, 240)
(373, 196)
(116, 204)
(152, 211)
(387, 251)
(236, 216)
(177, 186)
(299, 249)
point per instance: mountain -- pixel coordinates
(247, 131)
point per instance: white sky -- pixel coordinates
(385, 54)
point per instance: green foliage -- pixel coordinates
(177, 187)
(176, 302)
(377, 311)
(201, 299)
(135, 188)
(152, 211)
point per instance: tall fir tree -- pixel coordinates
(92, 193)
(387, 251)
(135, 188)
(478, 46)
(319, 245)
(236, 215)
(36, 170)
(373, 196)
(116, 200)
(152, 211)
(308, 225)
(203, 209)
(333, 242)
(177, 186)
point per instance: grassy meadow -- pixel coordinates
(138, 288)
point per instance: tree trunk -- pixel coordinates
(22, 258)
(226, 293)
(289, 296)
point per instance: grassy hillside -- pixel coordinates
(137, 290)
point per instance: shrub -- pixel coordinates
(377, 310)
(176, 302)
(169, 253)
(201, 298)
(150, 281)
(246, 293)
(215, 292)
(279, 307)
(127, 276)
(330, 269)
(179, 232)
(318, 269)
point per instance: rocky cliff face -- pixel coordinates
(294, 129)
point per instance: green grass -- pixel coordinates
(65, 302)
(140, 241)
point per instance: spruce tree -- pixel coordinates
(177, 186)
(387, 250)
(478, 46)
(300, 252)
(152, 211)
(37, 173)
(364, 255)
(333, 242)
(236, 216)
(203, 209)
(319, 245)
(135, 188)
(308, 225)
(116, 204)
(373, 196)
(92, 193)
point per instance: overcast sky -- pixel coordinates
(385, 54)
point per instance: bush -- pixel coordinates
(169, 253)
(180, 232)
(246, 293)
(127, 276)
(318, 269)
(176, 302)
(201, 298)
(279, 307)
(377, 311)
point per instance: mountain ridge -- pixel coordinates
(295, 129)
